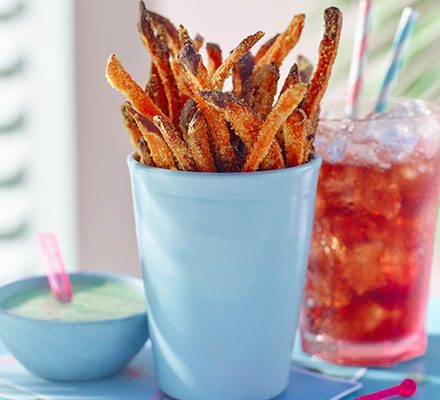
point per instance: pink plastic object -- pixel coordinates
(56, 274)
(406, 388)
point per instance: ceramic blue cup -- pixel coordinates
(224, 258)
(72, 350)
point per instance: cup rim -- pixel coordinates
(122, 278)
(310, 165)
(434, 106)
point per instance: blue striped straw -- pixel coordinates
(400, 42)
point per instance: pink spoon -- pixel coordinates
(405, 389)
(59, 281)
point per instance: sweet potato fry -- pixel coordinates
(305, 68)
(241, 73)
(285, 105)
(160, 152)
(197, 74)
(170, 30)
(198, 42)
(327, 54)
(192, 62)
(223, 72)
(160, 55)
(284, 43)
(246, 125)
(182, 154)
(265, 47)
(263, 88)
(130, 125)
(121, 80)
(294, 134)
(156, 91)
(292, 78)
(144, 152)
(197, 137)
(214, 53)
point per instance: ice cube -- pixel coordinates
(362, 269)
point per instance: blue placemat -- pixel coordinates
(138, 382)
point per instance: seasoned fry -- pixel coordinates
(327, 55)
(246, 124)
(160, 55)
(214, 53)
(160, 152)
(265, 47)
(198, 42)
(284, 43)
(144, 152)
(222, 73)
(292, 78)
(305, 68)
(263, 88)
(172, 33)
(285, 105)
(192, 62)
(130, 125)
(241, 73)
(294, 134)
(121, 80)
(185, 161)
(197, 74)
(197, 137)
(156, 91)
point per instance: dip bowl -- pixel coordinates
(69, 351)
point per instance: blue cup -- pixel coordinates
(224, 258)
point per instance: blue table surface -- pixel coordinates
(426, 369)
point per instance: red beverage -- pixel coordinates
(371, 253)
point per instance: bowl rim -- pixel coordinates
(122, 278)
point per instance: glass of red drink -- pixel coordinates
(371, 253)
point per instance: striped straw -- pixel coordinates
(400, 44)
(358, 59)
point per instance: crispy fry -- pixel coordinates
(265, 47)
(160, 54)
(130, 125)
(222, 73)
(263, 88)
(187, 113)
(160, 152)
(172, 33)
(241, 74)
(305, 68)
(181, 81)
(121, 80)
(197, 137)
(327, 54)
(156, 91)
(198, 42)
(284, 43)
(182, 154)
(246, 125)
(295, 138)
(292, 78)
(214, 53)
(144, 152)
(197, 74)
(285, 105)
(192, 62)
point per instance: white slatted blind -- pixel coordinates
(37, 149)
